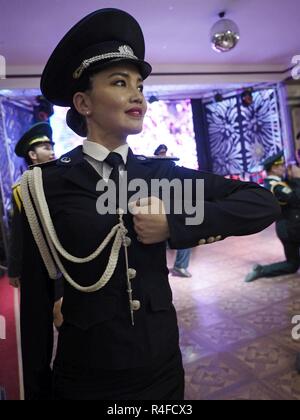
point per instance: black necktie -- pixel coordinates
(115, 160)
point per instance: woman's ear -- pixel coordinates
(32, 155)
(81, 103)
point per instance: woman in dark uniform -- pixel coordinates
(119, 339)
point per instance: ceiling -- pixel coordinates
(176, 34)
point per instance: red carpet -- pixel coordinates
(9, 365)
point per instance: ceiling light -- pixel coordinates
(224, 34)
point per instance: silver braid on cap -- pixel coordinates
(124, 52)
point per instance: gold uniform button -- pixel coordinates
(202, 242)
(135, 305)
(211, 240)
(219, 238)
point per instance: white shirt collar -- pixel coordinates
(100, 153)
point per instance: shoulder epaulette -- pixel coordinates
(16, 184)
(286, 188)
(16, 191)
(275, 184)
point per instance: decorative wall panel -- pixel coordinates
(241, 137)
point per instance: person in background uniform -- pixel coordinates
(182, 260)
(119, 339)
(287, 192)
(35, 146)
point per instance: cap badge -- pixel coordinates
(127, 51)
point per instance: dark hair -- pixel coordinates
(75, 120)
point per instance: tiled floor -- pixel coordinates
(236, 337)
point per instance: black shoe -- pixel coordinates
(255, 274)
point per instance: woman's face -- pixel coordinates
(42, 153)
(116, 102)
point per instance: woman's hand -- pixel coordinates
(150, 220)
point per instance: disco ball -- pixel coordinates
(224, 35)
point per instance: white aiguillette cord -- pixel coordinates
(36, 209)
